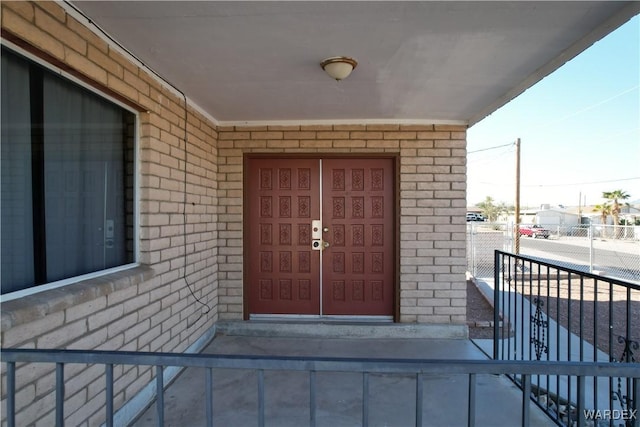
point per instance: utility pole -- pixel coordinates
(516, 227)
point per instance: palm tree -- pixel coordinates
(488, 209)
(605, 211)
(615, 208)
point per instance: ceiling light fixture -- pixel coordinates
(339, 67)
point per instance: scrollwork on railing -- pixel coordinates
(540, 325)
(629, 346)
(626, 400)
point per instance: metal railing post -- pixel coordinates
(636, 401)
(261, 398)
(526, 400)
(11, 394)
(59, 394)
(160, 394)
(312, 399)
(365, 399)
(209, 397)
(419, 398)
(496, 302)
(109, 397)
(471, 403)
(581, 414)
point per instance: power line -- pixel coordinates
(502, 184)
(491, 148)
(582, 183)
(479, 162)
(592, 106)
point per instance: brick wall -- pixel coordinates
(432, 206)
(148, 308)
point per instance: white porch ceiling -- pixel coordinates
(418, 61)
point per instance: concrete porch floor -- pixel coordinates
(392, 397)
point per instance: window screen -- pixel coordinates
(67, 178)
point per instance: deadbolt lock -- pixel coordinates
(319, 244)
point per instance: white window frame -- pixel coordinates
(136, 187)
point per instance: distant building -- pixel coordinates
(546, 216)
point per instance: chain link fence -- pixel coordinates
(612, 251)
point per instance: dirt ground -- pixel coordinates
(479, 313)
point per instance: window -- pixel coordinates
(67, 178)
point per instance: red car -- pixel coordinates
(534, 231)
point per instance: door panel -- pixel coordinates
(358, 264)
(282, 270)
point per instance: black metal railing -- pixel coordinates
(554, 313)
(419, 369)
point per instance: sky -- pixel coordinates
(579, 129)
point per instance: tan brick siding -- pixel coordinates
(118, 312)
(432, 226)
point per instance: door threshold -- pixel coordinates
(293, 318)
(281, 326)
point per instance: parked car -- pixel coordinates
(475, 217)
(534, 231)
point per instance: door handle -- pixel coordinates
(318, 243)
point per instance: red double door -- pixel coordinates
(320, 237)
